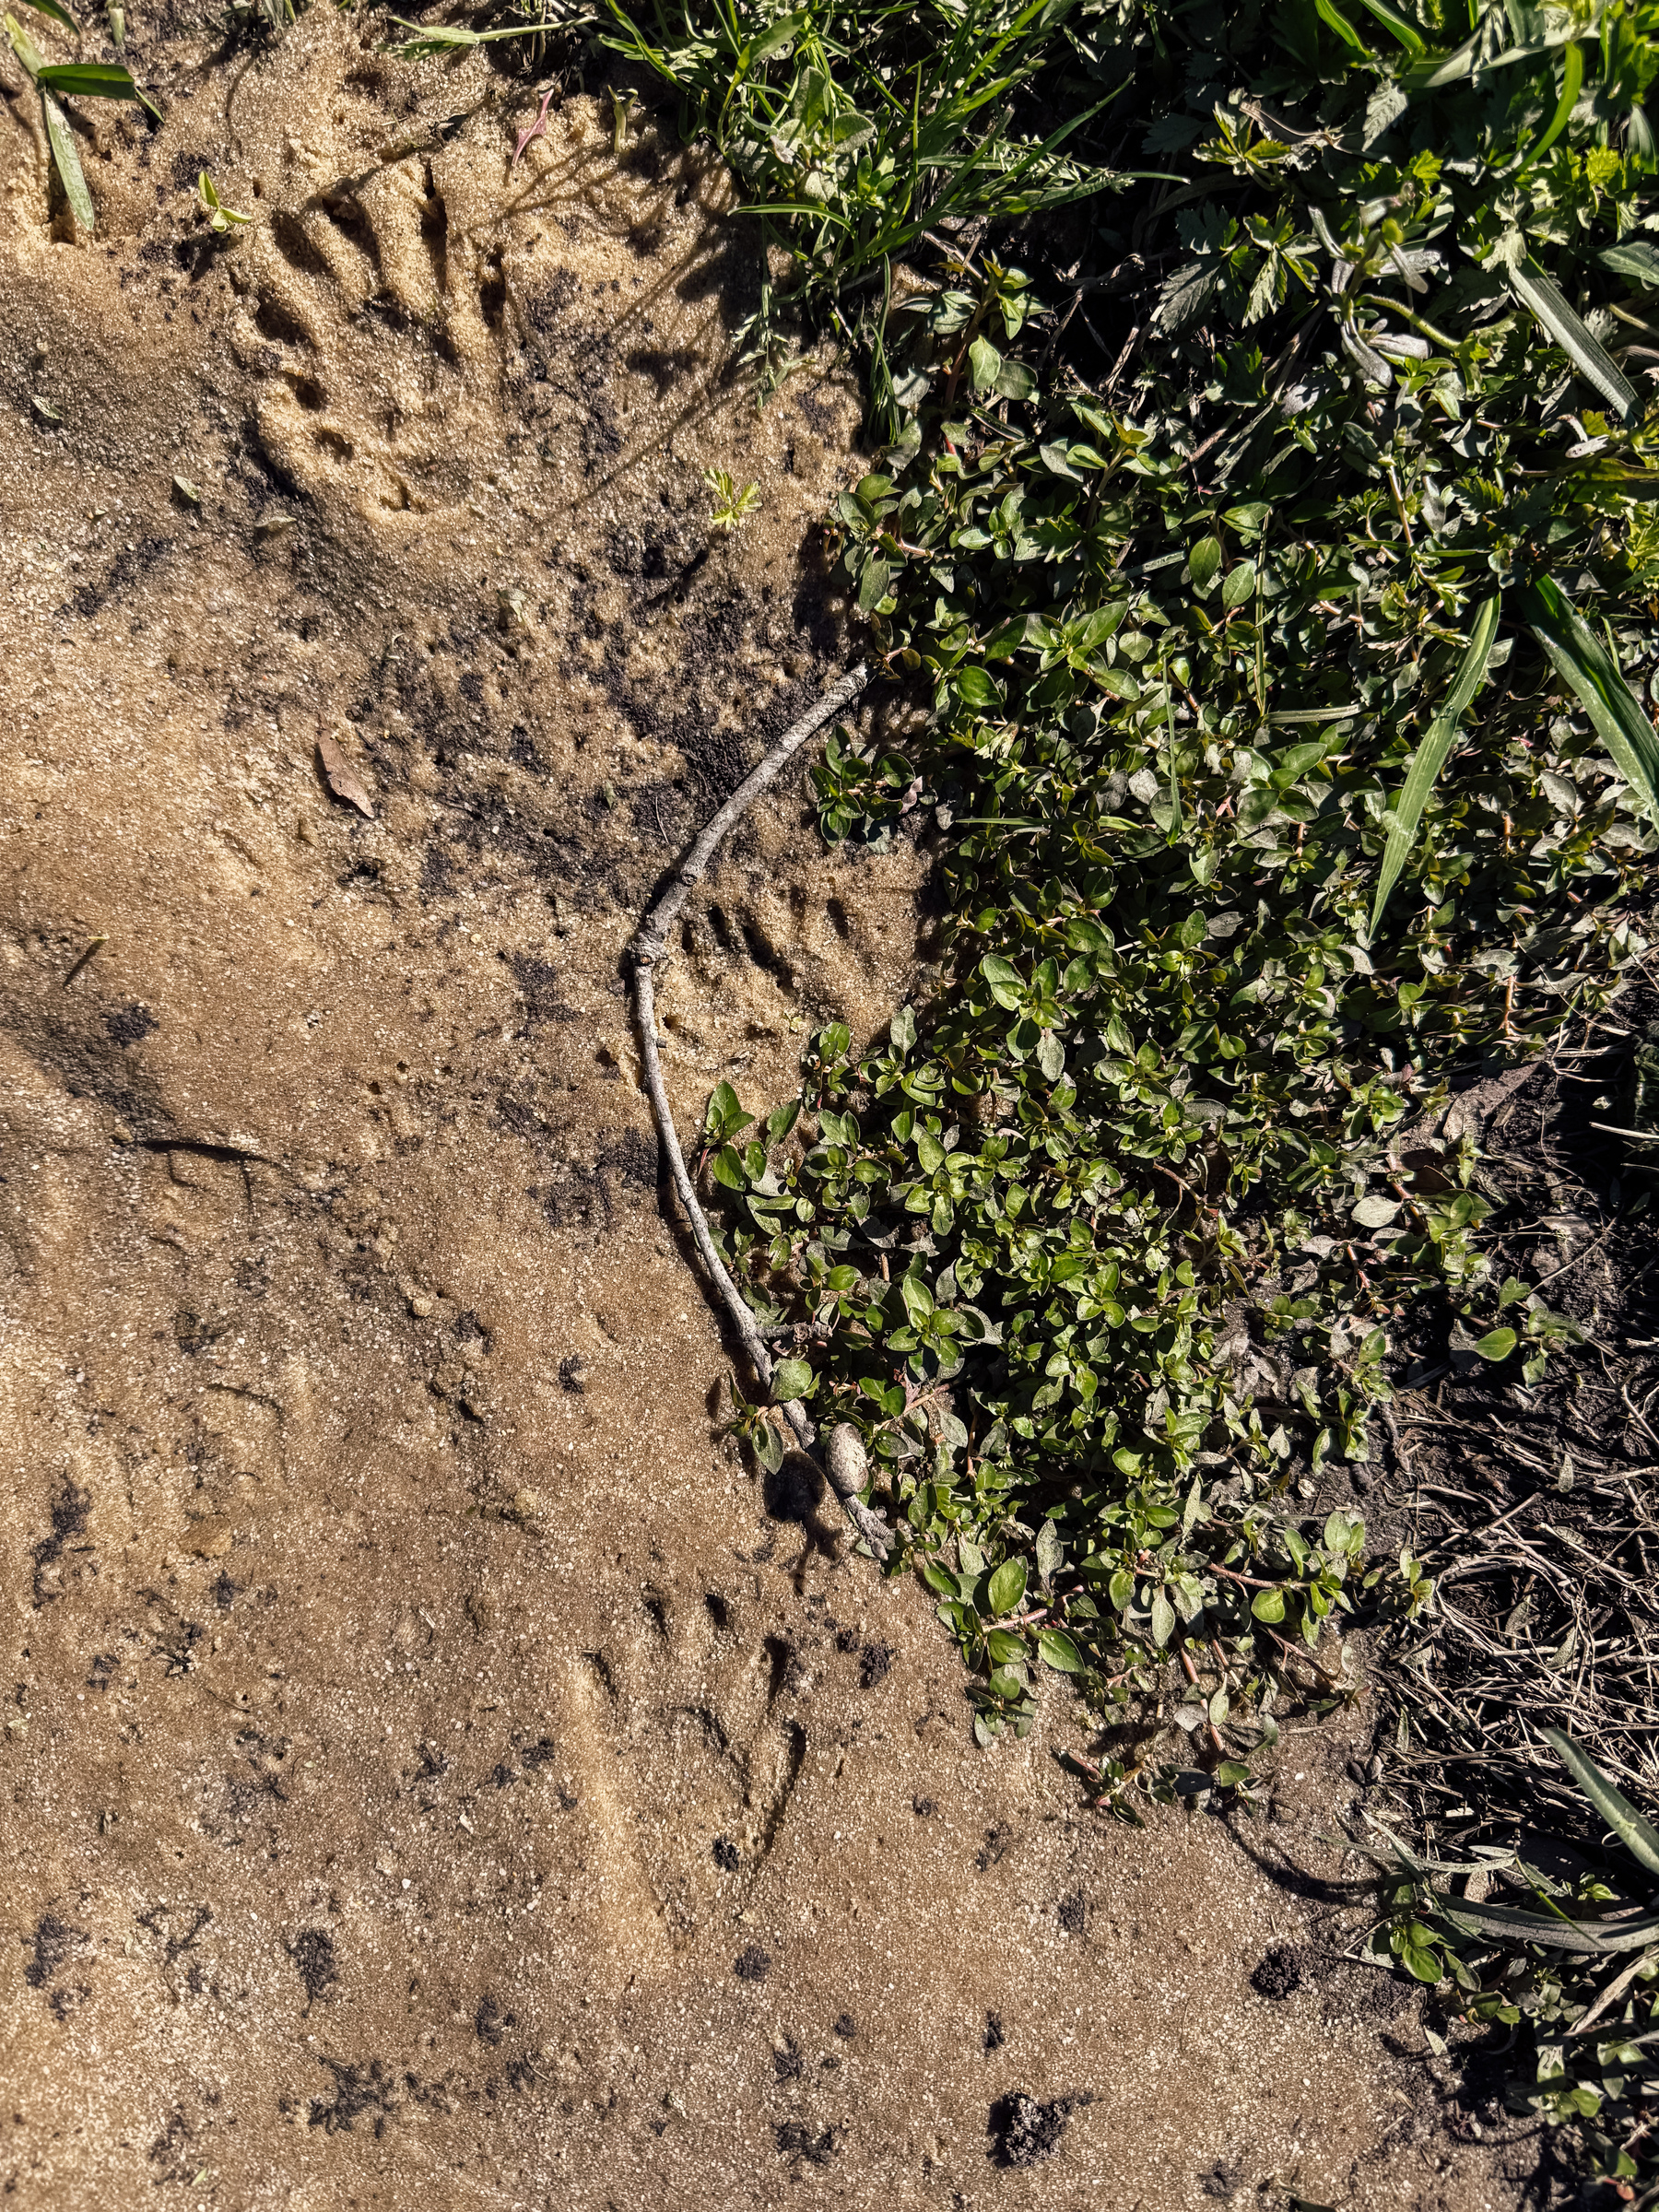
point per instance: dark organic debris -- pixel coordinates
(1281, 1972)
(313, 1952)
(1023, 2132)
(795, 2141)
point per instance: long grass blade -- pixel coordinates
(66, 156)
(1577, 655)
(1431, 754)
(1572, 85)
(1587, 354)
(1403, 30)
(1520, 1927)
(1639, 1836)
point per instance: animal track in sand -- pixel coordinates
(688, 1735)
(414, 320)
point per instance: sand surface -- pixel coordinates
(434, 1771)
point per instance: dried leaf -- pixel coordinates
(343, 779)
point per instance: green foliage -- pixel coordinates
(857, 129)
(1094, 1248)
(222, 220)
(55, 81)
(1572, 1976)
(733, 502)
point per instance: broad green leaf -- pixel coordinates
(1576, 653)
(792, 1379)
(1241, 584)
(1497, 1344)
(1163, 1620)
(1268, 1605)
(984, 364)
(1636, 258)
(1202, 561)
(1536, 289)
(939, 1580)
(1007, 1587)
(874, 584)
(1431, 754)
(1638, 1835)
(1055, 1649)
(66, 156)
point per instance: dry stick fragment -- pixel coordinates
(647, 948)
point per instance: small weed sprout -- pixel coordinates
(220, 219)
(733, 503)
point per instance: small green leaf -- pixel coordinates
(1055, 1649)
(1240, 585)
(1008, 1586)
(1163, 1620)
(1268, 1605)
(24, 47)
(1497, 1344)
(792, 1379)
(1202, 561)
(984, 364)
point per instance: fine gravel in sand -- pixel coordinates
(434, 1771)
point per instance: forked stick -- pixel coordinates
(648, 949)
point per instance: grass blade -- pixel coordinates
(24, 47)
(67, 157)
(1620, 722)
(1639, 1836)
(1537, 290)
(1572, 85)
(1520, 1926)
(91, 80)
(54, 14)
(1405, 31)
(1431, 754)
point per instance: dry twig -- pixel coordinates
(648, 949)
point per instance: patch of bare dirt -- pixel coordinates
(434, 1771)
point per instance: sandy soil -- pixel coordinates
(434, 1770)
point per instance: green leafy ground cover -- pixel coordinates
(1283, 656)
(1101, 1249)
